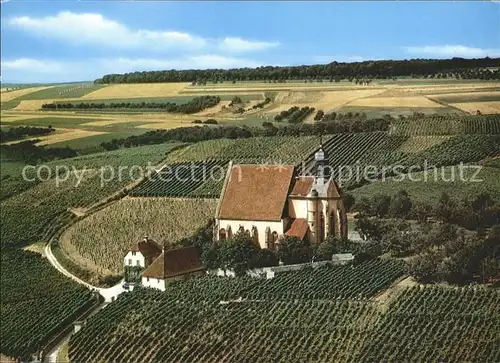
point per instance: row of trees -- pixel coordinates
(195, 105)
(202, 133)
(294, 114)
(28, 152)
(16, 133)
(478, 213)
(383, 69)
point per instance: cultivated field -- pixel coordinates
(104, 237)
(9, 96)
(136, 91)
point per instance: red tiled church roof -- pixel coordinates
(256, 193)
(302, 185)
(175, 262)
(298, 228)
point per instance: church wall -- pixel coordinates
(277, 226)
(131, 260)
(297, 208)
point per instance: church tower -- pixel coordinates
(321, 165)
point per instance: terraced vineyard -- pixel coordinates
(201, 180)
(203, 320)
(448, 125)
(37, 302)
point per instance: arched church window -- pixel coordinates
(229, 231)
(321, 227)
(241, 230)
(255, 234)
(332, 223)
(222, 234)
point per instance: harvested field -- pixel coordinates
(62, 135)
(213, 110)
(31, 105)
(136, 91)
(412, 101)
(8, 96)
(104, 123)
(473, 107)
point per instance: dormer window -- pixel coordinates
(133, 253)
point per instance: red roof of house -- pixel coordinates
(175, 262)
(298, 228)
(147, 247)
(256, 193)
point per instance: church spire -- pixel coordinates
(321, 161)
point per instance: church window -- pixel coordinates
(255, 234)
(229, 232)
(332, 223)
(222, 234)
(321, 227)
(241, 230)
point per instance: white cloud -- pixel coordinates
(95, 29)
(449, 51)
(238, 45)
(40, 70)
(90, 28)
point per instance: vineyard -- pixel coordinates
(200, 180)
(448, 125)
(427, 187)
(26, 216)
(236, 320)
(105, 236)
(338, 282)
(37, 301)
(458, 325)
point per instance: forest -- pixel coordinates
(383, 69)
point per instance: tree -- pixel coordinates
(369, 229)
(445, 208)
(238, 253)
(349, 201)
(421, 211)
(400, 205)
(292, 250)
(381, 204)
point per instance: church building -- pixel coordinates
(269, 202)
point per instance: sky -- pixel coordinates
(62, 41)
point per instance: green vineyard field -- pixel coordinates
(243, 320)
(448, 125)
(37, 302)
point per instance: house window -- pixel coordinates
(147, 279)
(130, 262)
(158, 280)
(133, 253)
(138, 263)
(222, 234)
(321, 227)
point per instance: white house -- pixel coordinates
(171, 265)
(270, 202)
(142, 253)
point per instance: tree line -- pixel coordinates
(197, 104)
(17, 133)
(30, 153)
(202, 133)
(381, 69)
(294, 114)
